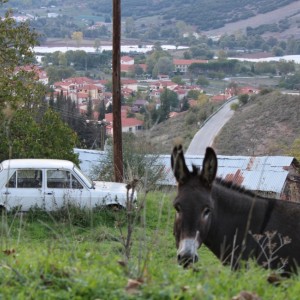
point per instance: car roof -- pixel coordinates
(33, 163)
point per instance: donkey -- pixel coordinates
(235, 224)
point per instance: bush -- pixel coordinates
(138, 161)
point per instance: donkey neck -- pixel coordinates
(235, 213)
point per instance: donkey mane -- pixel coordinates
(234, 186)
(225, 183)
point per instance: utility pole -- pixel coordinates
(116, 93)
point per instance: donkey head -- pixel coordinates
(192, 204)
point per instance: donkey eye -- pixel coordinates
(206, 212)
(177, 207)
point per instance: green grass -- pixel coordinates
(81, 257)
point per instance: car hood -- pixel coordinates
(110, 186)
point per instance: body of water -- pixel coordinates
(295, 58)
(124, 48)
(147, 48)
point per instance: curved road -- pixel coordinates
(205, 136)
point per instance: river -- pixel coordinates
(147, 48)
(124, 48)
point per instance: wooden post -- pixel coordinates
(116, 93)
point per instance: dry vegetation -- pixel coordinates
(163, 135)
(267, 125)
(180, 128)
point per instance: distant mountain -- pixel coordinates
(203, 14)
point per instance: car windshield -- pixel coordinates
(84, 177)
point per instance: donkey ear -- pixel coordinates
(210, 165)
(180, 170)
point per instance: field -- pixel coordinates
(75, 254)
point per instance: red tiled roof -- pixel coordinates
(128, 81)
(79, 80)
(126, 68)
(188, 61)
(131, 122)
(217, 98)
(126, 58)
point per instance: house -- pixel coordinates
(160, 84)
(127, 60)
(138, 104)
(80, 89)
(182, 65)
(218, 98)
(127, 68)
(128, 124)
(129, 83)
(41, 75)
(250, 90)
(181, 92)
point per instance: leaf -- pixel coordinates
(133, 285)
(9, 251)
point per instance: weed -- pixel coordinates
(270, 248)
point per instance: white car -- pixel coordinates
(51, 183)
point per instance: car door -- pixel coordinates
(63, 187)
(24, 189)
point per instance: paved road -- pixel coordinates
(205, 136)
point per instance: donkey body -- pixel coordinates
(233, 223)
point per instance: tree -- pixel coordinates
(129, 26)
(169, 100)
(178, 80)
(202, 80)
(285, 67)
(97, 45)
(243, 99)
(23, 137)
(16, 44)
(193, 94)
(77, 36)
(57, 139)
(164, 65)
(137, 162)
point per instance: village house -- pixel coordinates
(127, 65)
(138, 105)
(80, 89)
(161, 84)
(182, 65)
(41, 74)
(127, 60)
(130, 84)
(129, 124)
(248, 90)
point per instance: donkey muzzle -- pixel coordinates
(187, 252)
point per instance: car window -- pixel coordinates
(62, 179)
(25, 179)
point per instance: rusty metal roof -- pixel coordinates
(255, 173)
(260, 173)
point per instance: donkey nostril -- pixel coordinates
(186, 260)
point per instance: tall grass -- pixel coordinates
(79, 255)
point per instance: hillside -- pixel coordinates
(267, 125)
(210, 16)
(290, 13)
